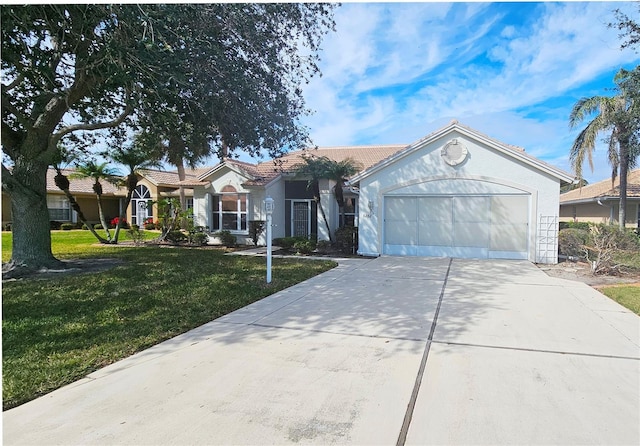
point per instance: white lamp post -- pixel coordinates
(268, 207)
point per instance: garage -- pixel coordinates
(491, 226)
(460, 193)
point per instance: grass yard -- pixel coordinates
(57, 330)
(626, 295)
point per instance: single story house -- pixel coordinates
(600, 202)
(455, 192)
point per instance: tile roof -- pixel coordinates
(263, 173)
(81, 185)
(604, 189)
(170, 177)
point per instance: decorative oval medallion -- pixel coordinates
(454, 152)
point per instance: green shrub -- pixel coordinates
(97, 226)
(176, 237)
(584, 225)
(572, 242)
(347, 239)
(323, 246)
(198, 238)
(288, 242)
(54, 225)
(256, 228)
(67, 226)
(6, 227)
(150, 226)
(226, 238)
(84, 227)
(304, 246)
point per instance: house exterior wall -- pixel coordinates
(330, 207)
(606, 213)
(585, 212)
(483, 167)
(276, 190)
(89, 207)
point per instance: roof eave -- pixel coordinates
(537, 164)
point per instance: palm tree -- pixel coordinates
(340, 171)
(615, 115)
(62, 181)
(314, 168)
(135, 158)
(97, 172)
(321, 167)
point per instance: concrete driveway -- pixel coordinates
(385, 351)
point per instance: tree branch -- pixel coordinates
(15, 83)
(56, 137)
(8, 106)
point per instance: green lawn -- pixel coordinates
(58, 330)
(626, 295)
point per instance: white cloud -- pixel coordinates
(395, 72)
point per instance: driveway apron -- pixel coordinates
(384, 351)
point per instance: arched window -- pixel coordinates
(230, 210)
(141, 208)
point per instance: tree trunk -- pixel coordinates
(316, 196)
(624, 167)
(127, 201)
(63, 184)
(181, 177)
(103, 221)
(31, 248)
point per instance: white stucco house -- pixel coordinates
(455, 192)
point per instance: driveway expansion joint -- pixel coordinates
(537, 350)
(402, 437)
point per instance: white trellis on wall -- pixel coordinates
(547, 247)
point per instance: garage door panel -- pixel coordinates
(400, 209)
(513, 209)
(435, 209)
(435, 233)
(471, 209)
(401, 233)
(509, 237)
(475, 235)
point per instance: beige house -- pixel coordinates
(152, 185)
(599, 202)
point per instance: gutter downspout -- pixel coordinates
(610, 210)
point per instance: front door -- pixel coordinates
(300, 218)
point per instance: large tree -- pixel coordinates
(233, 72)
(617, 118)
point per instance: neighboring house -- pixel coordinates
(600, 202)
(152, 185)
(455, 193)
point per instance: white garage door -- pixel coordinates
(493, 226)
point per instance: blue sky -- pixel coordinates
(395, 72)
